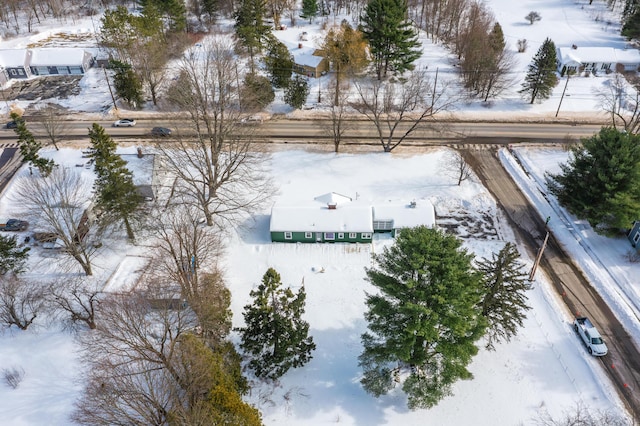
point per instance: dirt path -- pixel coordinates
(622, 364)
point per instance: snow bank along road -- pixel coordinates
(622, 364)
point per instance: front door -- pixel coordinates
(318, 237)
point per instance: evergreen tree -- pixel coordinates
(541, 77)
(278, 62)
(601, 180)
(309, 9)
(29, 147)
(392, 39)
(504, 303)
(631, 26)
(250, 27)
(12, 257)
(256, 93)
(126, 83)
(296, 93)
(173, 11)
(116, 194)
(275, 335)
(424, 318)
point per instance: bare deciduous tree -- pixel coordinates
(54, 127)
(532, 17)
(188, 254)
(397, 109)
(145, 367)
(76, 299)
(337, 124)
(455, 167)
(21, 301)
(581, 415)
(60, 205)
(621, 101)
(220, 170)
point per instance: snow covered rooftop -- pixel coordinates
(304, 55)
(316, 218)
(406, 215)
(62, 56)
(13, 57)
(584, 55)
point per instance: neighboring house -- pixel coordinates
(144, 173)
(335, 218)
(634, 235)
(16, 62)
(308, 61)
(576, 59)
(60, 61)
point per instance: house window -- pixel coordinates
(636, 237)
(366, 235)
(329, 236)
(353, 235)
(341, 235)
(308, 235)
(287, 235)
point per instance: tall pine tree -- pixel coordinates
(278, 62)
(309, 9)
(424, 318)
(601, 181)
(276, 336)
(541, 77)
(12, 256)
(29, 147)
(504, 303)
(250, 27)
(116, 194)
(392, 39)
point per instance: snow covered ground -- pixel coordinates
(544, 368)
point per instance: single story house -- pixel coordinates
(634, 235)
(16, 62)
(62, 61)
(335, 218)
(576, 59)
(308, 61)
(328, 218)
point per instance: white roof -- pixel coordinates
(13, 57)
(317, 218)
(304, 55)
(405, 216)
(583, 55)
(333, 198)
(57, 56)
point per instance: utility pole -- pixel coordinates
(564, 90)
(532, 274)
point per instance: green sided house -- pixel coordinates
(335, 218)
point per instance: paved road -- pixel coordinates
(622, 364)
(306, 131)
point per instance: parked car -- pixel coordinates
(125, 122)
(11, 125)
(160, 131)
(590, 336)
(14, 225)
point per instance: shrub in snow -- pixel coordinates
(13, 376)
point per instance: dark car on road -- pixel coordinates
(160, 131)
(12, 125)
(14, 225)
